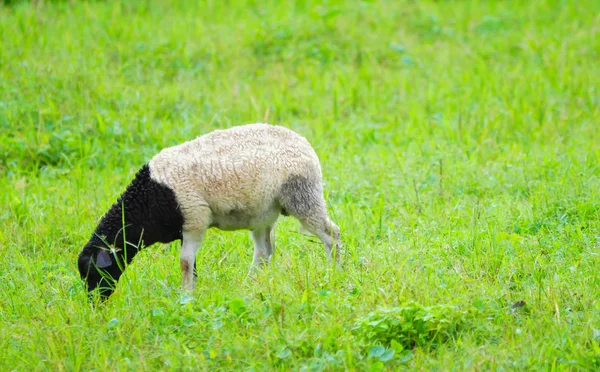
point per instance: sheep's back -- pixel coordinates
(241, 167)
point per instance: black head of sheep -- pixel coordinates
(100, 268)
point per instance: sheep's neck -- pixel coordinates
(119, 228)
(146, 213)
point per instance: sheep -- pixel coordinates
(243, 177)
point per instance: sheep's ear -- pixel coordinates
(103, 259)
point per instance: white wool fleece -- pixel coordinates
(231, 178)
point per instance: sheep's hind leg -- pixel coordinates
(303, 199)
(187, 259)
(328, 232)
(263, 247)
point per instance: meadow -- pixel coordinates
(459, 146)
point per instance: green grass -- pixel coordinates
(458, 140)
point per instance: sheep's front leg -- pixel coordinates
(189, 246)
(263, 248)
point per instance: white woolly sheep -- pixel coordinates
(239, 178)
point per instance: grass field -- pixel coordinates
(459, 145)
